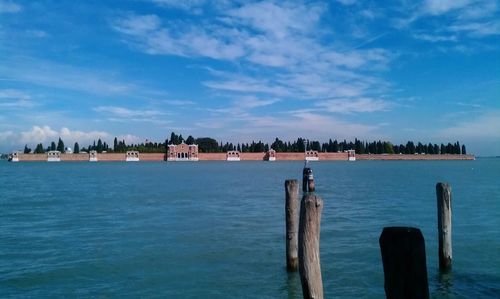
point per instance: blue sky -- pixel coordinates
(240, 70)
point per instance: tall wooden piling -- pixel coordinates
(405, 269)
(309, 232)
(443, 193)
(292, 224)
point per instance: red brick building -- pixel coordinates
(182, 152)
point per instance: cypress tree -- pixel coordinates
(99, 146)
(190, 140)
(335, 146)
(76, 148)
(39, 149)
(60, 145)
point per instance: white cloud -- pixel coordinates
(435, 38)
(54, 75)
(126, 115)
(277, 21)
(67, 134)
(41, 134)
(137, 25)
(369, 14)
(483, 127)
(129, 139)
(254, 102)
(147, 34)
(122, 112)
(6, 136)
(37, 33)
(38, 134)
(18, 104)
(7, 6)
(477, 29)
(347, 2)
(13, 94)
(15, 99)
(178, 102)
(180, 4)
(480, 10)
(300, 123)
(356, 105)
(438, 7)
(261, 35)
(247, 84)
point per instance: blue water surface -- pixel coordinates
(216, 229)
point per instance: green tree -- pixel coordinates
(190, 140)
(388, 148)
(60, 145)
(464, 151)
(39, 149)
(52, 146)
(335, 146)
(207, 145)
(278, 145)
(99, 147)
(76, 148)
(174, 139)
(301, 146)
(27, 150)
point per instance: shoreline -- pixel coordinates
(121, 157)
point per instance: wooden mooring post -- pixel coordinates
(405, 269)
(311, 207)
(443, 194)
(292, 224)
(307, 180)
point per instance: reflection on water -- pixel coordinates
(293, 285)
(466, 285)
(444, 288)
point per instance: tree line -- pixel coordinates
(210, 145)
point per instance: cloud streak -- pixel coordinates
(259, 37)
(7, 6)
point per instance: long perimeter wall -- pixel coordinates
(108, 157)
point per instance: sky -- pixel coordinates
(239, 71)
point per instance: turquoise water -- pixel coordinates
(216, 229)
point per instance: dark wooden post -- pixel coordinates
(310, 180)
(309, 232)
(307, 180)
(292, 223)
(443, 193)
(405, 269)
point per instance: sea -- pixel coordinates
(217, 229)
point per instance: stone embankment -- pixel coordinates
(104, 157)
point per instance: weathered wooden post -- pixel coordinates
(305, 176)
(292, 223)
(307, 180)
(443, 193)
(309, 232)
(405, 269)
